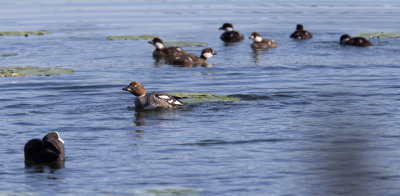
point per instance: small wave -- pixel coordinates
(222, 142)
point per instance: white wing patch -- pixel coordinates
(164, 97)
(178, 49)
(178, 103)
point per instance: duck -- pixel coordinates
(260, 43)
(191, 60)
(230, 35)
(50, 149)
(151, 100)
(355, 41)
(162, 51)
(300, 33)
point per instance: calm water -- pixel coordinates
(315, 117)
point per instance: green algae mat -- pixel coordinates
(32, 71)
(198, 97)
(24, 33)
(7, 54)
(185, 44)
(379, 35)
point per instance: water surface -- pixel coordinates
(315, 117)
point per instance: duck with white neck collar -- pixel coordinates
(260, 43)
(230, 35)
(162, 51)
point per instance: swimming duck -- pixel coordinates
(355, 41)
(162, 51)
(50, 149)
(230, 35)
(300, 33)
(151, 100)
(260, 43)
(191, 60)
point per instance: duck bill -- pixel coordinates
(221, 28)
(150, 42)
(127, 88)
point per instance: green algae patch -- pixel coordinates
(7, 54)
(198, 97)
(379, 35)
(185, 44)
(24, 33)
(174, 191)
(32, 71)
(131, 37)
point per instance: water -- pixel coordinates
(315, 117)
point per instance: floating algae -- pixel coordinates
(32, 71)
(131, 37)
(197, 97)
(379, 35)
(7, 54)
(174, 191)
(185, 44)
(24, 33)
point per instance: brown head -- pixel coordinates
(207, 53)
(299, 27)
(55, 139)
(157, 42)
(136, 89)
(344, 38)
(226, 27)
(256, 37)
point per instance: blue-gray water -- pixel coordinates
(316, 118)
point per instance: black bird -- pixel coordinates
(355, 41)
(162, 51)
(50, 149)
(300, 33)
(230, 35)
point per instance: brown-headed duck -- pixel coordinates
(151, 100)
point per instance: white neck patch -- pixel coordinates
(258, 39)
(207, 55)
(344, 40)
(159, 45)
(61, 140)
(228, 29)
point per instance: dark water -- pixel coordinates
(316, 118)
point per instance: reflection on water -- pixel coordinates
(32, 167)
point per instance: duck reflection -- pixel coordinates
(42, 167)
(143, 115)
(257, 55)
